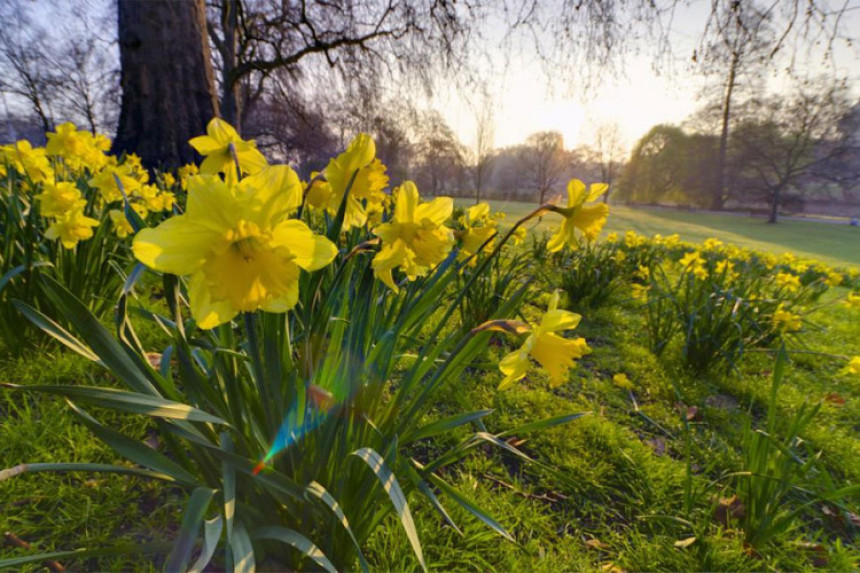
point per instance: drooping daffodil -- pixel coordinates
(554, 353)
(238, 246)
(587, 219)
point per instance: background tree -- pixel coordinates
(483, 156)
(440, 157)
(168, 92)
(608, 152)
(737, 46)
(542, 161)
(782, 141)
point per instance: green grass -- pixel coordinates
(609, 475)
(835, 244)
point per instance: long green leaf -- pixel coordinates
(211, 535)
(297, 540)
(243, 550)
(124, 401)
(542, 424)
(4, 280)
(392, 488)
(469, 505)
(192, 519)
(444, 425)
(318, 491)
(54, 330)
(120, 549)
(76, 467)
(100, 340)
(134, 450)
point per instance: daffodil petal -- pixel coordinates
(436, 211)
(206, 312)
(177, 246)
(311, 251)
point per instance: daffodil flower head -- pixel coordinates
(693, 263)
(71, 227)
(120, 224)
(554, 353)
(358, 171)
(219, 145)
(237, 245)
(787, 281)
(29, 161)
(478, 227)
(58, 198)
(587, 219)
(786, 321)
(852, 300)
(853, 367)
(416, 239)
(112, 182)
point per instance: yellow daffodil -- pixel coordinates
(358, 170)
(785, 320)
(240, 250)
(695, 264)
(29, 161)
(554, 353)
(106, 182)
(215, 146)
(852, 300)
(59, 198)
(416, 239)
(79, 149)
(612, 237)
(478, 227)
(71, 227)
(519, 235)
(184, 173)
(120, 224)
(588, 219)
(712, 244)
(726, 267)
(632, 240)
(833, 279)
(622, 381)
(639, 292)
(787, 281)
(853, 367)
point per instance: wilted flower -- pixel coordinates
(588, 219)
(236, 243)
(416, 239)
(554, 353)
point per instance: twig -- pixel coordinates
(14, 540)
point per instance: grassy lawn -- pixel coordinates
(836, 244)
(612, 488)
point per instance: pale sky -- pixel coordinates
(636, 101)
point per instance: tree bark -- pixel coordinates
(774, 204)
(231, 97)
(168, 89)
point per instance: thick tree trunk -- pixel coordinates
(168, 92)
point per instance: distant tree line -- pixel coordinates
(781, 151)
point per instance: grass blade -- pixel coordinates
(444, 425)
